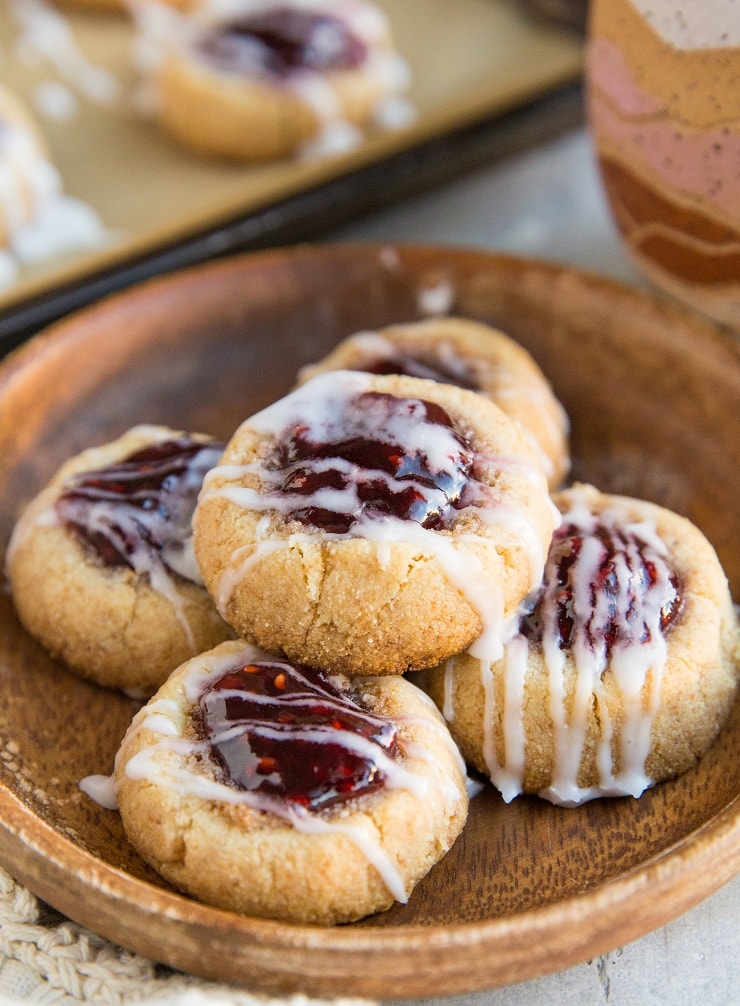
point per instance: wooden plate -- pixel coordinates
(654, 395)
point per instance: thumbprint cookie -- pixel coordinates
(101, 564)
(369, 524)
(273, 789)
(622, 667)
(470, 355)
(261, 79)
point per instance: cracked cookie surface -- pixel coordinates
(100, 563)
(623, 666)
(371, 524)
(247, 83)
(470, 355)
(232, 827)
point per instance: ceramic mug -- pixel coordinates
(663, 98)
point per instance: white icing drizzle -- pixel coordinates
(101, 789)
(319, 406)
(55, 100)
(160, 29)
(515, 665)
(155, 763)
(635, 665)
(122, 523)
(369, 348)
(26, 176)
(419, 751)
(46, 36)
(41, 221)
(365, 839)
(435, 299)
(62, 224)
(373, 347)
(335, 138)
(8, 269)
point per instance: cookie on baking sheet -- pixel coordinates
(255, 81)
(101, 565)
(470, 355)
(27, 177)
(624, 666)
(271, 789)
(370, 524)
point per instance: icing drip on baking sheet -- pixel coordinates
(42, 222)
(56, 223)
(175, 761)
(46, 37)
(437, 471)
(609, 597)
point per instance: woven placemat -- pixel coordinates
(45, 958)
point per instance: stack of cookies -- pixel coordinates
(376, 573)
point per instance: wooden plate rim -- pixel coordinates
(595, 922)
(600, 919)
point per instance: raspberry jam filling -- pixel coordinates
(387, 456)
(286, 732)
(427, 366)
(143, 504)
(282, 41)
(604, 587)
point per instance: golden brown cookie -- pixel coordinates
(27, 178)
(371, 524)
(623, 666)
(101, 564)
(255, 81)
(272, 790)
(470, 355)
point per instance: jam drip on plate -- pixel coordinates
(387, 457)
(286, 732)
(604, 587)
(283, 41)
(142, 505)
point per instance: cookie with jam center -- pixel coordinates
(251, 82)
(623, 665)
(372, 524)
(101, 565)
(470, 355)
(274, 790)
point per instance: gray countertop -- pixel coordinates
(544, 202)
(547, 203)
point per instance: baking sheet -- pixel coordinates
(469, 60)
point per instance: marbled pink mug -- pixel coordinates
(663, 92)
